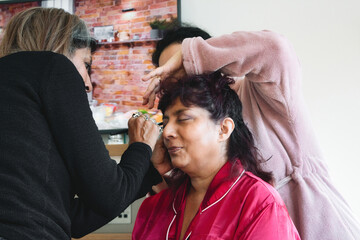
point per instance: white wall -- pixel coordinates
(326, 36)
(67, 5)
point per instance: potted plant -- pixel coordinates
(158, 26)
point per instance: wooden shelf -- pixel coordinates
(116, 149)
(107, 236)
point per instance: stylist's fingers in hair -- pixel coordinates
(173, 65)
(151, 100)
(151, 92)
(156, 73)
(142, 129)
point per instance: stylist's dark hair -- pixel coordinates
(177, 35)
(213, 93)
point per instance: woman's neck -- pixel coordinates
(201, 182)
(200, 185)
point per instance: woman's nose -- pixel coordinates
(169, 131)
(88, 85)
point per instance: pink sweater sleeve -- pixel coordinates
(266, 59)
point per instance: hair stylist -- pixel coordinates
(50, 147)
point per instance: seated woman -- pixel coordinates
(217, 189)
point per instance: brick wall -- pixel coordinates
(118, 68)
(8, 10)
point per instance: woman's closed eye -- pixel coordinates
(88, 67)
(183, 119)
(179, 120)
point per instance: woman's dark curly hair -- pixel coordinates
(213, 93)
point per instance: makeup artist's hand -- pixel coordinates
(160, 157)
(143, 129)
(173, 68)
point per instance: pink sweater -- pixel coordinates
(268, 83)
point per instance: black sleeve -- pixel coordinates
(84, 220)
(151, 178)
(101, 184)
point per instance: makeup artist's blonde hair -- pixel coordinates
(45, 29)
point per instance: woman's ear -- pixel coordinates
(226, 128)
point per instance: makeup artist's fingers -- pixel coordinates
(141, 129)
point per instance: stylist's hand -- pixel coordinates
(142, 129)
(172, 68)
(160, 157)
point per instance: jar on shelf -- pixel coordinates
(116, 36)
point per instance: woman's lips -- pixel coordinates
(172, 150)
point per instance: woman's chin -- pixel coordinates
(177, 163)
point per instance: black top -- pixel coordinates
(50, 150)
